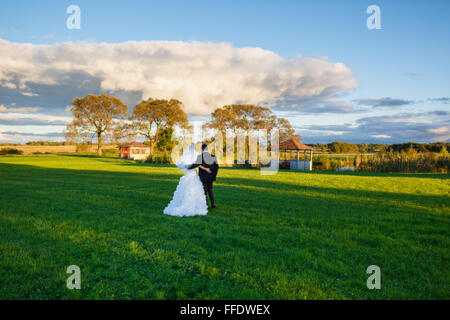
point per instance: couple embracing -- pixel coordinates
(190, 195)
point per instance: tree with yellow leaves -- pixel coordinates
(152, 116)
(95, 115)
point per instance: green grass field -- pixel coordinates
(290, 236)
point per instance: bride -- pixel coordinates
(189, 197)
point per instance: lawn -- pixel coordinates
(293, 235)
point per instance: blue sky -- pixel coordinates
(401, 72)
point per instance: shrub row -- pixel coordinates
(5, 151)
(406, 162)
(159, 157)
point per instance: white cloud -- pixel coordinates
(380, 136)
(33, 119)
(4, 109)
(439, 130)
(29, 94)
(8, 85)
(429, 126)
(203, 75)
(23, 136)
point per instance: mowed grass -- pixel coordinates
(293, 235)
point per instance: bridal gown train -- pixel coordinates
(189, 197)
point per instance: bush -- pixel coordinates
(5, 151)
(47, 143)
(282, 164)
(343, 147)
(83, 147)
(246, 164)
(159, 157)
(110, 151)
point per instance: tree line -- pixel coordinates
(419, 147)
(104, 117)
(345, 147)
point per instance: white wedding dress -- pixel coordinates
(189, 197)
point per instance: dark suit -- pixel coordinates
(209, 161)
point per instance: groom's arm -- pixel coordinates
(197, 163)
(205, 168)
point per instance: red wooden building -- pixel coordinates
(134, 151)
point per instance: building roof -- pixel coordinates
(293, 144)
(135, 145)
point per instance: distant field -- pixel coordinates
(52, 149)
(290, 236)
(26, 149)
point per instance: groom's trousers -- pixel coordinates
(208, 188)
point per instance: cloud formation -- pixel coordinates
(383, 102)
(23, 137)
(202, 75)
(28, 120)
(440, 100)
(430, 126)
(4, 109)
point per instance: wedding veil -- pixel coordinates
(188, 157)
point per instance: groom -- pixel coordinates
(207, 176)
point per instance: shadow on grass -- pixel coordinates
(124, 184)
(128, 162)
(80, 155)
(140, 164)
